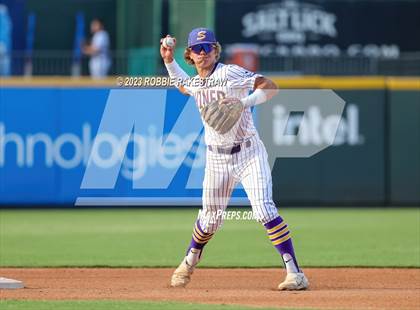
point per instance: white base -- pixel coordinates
(10, 283)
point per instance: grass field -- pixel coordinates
(159, 237)
(114, 305)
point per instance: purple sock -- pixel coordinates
(198, 241)
(199, 238)
(280, 237)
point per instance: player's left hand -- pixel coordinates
(222, 114)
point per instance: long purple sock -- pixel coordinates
(198, 241)
(280, 237)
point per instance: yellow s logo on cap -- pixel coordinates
(201, 35)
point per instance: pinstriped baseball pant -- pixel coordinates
(223, 171)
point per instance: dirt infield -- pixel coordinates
(335, 288)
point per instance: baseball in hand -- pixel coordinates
(168, 42)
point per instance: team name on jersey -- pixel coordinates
(205, 96)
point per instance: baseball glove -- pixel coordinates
(222, 114)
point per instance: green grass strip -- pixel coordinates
(159, 237)
(116, 305)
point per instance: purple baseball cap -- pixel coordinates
(201, 35)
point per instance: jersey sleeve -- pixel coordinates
(189, 90)
(241, 78)
(187, 84)
(100, 41)
(192, 84)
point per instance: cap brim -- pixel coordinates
(203, 42)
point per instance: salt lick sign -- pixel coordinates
(293, 28)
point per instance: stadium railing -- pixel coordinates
(43, 63)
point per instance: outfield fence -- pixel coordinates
(48, 125)
(146, 61)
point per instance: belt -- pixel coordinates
(229, 151)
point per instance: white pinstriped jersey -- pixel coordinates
(237, 82)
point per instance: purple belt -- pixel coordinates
(229, 151)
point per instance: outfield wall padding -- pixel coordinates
(375, 159)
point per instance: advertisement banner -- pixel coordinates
(101, 147)
(319, 28)
(351, 170)
(113, 147)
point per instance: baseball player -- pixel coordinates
(98, 50)
(235, 153)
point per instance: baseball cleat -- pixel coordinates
(294, 282)
(182, 275)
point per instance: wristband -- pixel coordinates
(257, 97)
